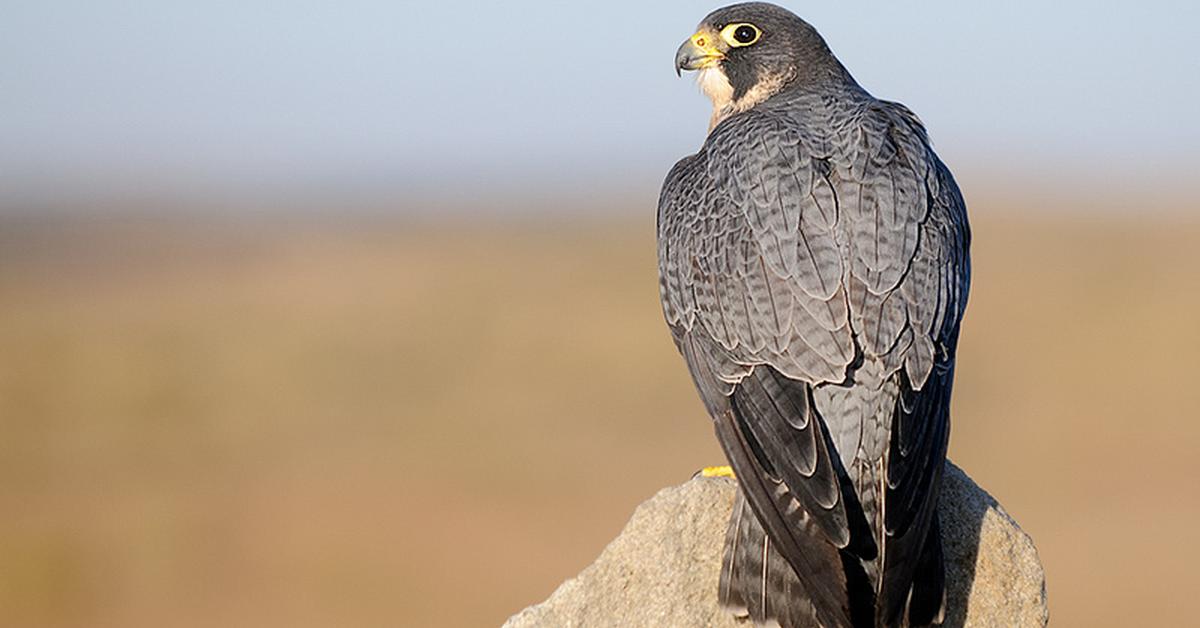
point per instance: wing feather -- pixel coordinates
(814, 283)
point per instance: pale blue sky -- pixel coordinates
(432, 96)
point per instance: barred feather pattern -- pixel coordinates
(756, 580)
(813, 270)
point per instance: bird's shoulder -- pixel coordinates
(839, 131)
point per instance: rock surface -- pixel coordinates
(663, 568)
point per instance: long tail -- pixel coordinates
(758, 582)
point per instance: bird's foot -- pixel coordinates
(716, 472)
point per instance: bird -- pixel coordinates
(814, 269)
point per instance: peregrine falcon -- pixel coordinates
(813, 265)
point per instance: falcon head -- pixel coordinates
(746, 53)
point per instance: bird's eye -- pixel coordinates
(738, 35)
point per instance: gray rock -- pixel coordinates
(662, 570)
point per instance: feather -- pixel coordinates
(813, 269)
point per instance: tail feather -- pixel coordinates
(797, 545)
(758, 583)
(927, 600)
(756, 580)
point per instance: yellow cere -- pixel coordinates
(705, 42)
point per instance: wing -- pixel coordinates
(748, 253)
(908, 283)
(787, 262)
(742, 288)
(934, 291)
(751, 276)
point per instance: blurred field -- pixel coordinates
(376, 423)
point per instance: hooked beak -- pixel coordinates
(697, 53)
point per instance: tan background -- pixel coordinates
(378, 422)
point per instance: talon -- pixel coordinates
(717, 472)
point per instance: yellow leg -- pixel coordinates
(717, 472)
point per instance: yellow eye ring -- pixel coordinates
(740, 34)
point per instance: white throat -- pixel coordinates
(716, 86)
